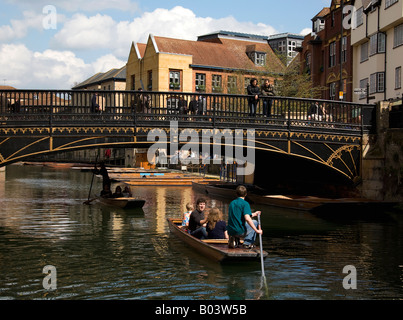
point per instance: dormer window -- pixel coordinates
(258, 58)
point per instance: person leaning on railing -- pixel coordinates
(316, 112)
(267, 91)
(253, 100)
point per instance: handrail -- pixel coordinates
(137, 108)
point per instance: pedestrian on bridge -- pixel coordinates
(94, 103)
(267, 93)
(253, 100)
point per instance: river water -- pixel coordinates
(104, 253)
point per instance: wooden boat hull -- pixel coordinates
(305, 203)
(219, 189)
(216, 250)
(319, 205)
(291, 202)
(123, 203)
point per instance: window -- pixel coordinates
(398, 77)
(372, 83)
(332, 91)
(364, 52)
(232, 84)
(174, 80)
(377, 43)
(308, 58)
(380, 82)
(150, 80)
(332, 54)
(381, 42)
(359, 17)
(258, 58)
(281, 46)
(133, 82)
(398, 37)
(217, 83)
(318, 25)
(388, 3)
(377, 82)
(363, 85)
(200, 82)
(344, 50)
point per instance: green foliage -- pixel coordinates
(294, 83)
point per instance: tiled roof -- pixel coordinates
(324, 12)
(226, 53)
(113, 74)
(142, 48)
(7, 88)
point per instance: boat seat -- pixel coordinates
(216, 241)
(219, 241)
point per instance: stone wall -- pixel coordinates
(382, 163)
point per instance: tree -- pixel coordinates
(294, 83)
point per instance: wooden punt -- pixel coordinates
(305, 203)
(162, 182)
(289, 201)
(214, 249)
(124, 203)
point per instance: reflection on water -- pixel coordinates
(107, 253)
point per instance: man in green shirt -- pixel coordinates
(240, 223)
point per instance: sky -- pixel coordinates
(54, 44)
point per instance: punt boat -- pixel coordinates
(124, 203)
(214, 249)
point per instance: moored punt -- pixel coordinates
(319, 205)
(291, 202)
(124, 203)
(215, 249)
(306, 203)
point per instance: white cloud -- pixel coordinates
(50, 69)
(99, 35)
(101, 31)
(82, 32)
(18, 29)
(306, 31)
(106, 63)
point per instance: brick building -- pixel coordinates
(326, 53)
(222, 62)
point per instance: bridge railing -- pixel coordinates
(45, 108)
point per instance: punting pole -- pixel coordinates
(261, 248)
(92, 181)
(261, 259)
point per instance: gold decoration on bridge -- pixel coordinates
(337, 155)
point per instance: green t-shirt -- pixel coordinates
(236, 216)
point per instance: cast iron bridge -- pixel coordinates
(38, 122)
